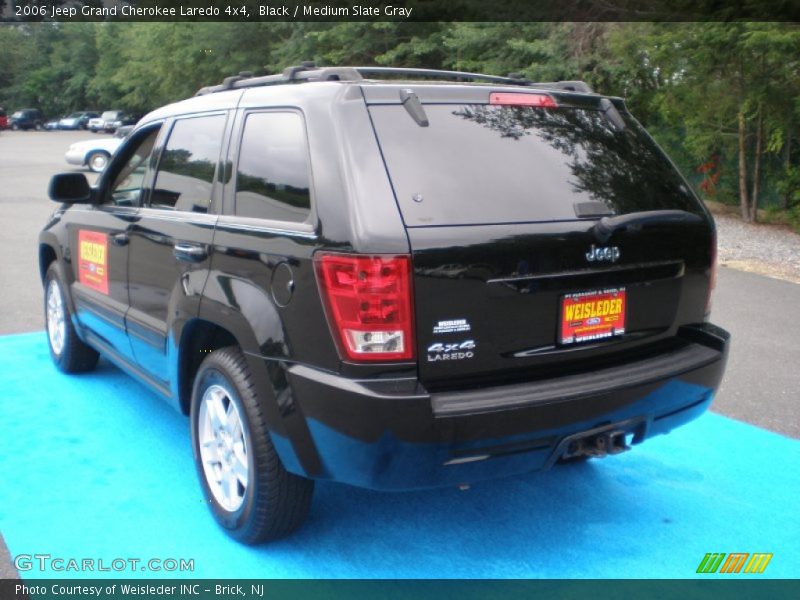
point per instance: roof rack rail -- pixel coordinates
(437, 74)
(308, 71)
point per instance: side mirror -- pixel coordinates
(70, 188)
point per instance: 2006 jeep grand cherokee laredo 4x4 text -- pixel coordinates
(415, 280)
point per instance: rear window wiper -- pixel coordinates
(612, 115)
(605, 227)
(413, 107)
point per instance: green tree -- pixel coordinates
(724, 85)
(720, 94)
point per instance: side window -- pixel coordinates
(272, 180)
(126, 190)
(185, 177)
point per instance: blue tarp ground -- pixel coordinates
(96, 466)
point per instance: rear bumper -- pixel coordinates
(394, 435)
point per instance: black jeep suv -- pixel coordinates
(27, 118)
(418, 279)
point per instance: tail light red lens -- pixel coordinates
(516, 99)
(369, 306)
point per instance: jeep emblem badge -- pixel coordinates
(596, 253)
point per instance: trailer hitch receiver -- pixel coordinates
(598, 445)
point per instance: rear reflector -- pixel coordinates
(368, 305)
(516, 99)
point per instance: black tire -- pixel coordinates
(274, 502)
(73, 356)
(97, 161)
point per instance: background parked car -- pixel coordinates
(95, 153)
(124, 120)
(27, 118)
(3, 118)
(77, 120)
(102, 123)
(94, 125)
(52, 124)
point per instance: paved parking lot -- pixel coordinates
(27, 160)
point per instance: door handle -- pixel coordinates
(120, 239)
(189, 252)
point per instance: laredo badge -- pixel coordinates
(93, 260)
(440, 351)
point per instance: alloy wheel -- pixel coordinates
(223, 447)
(56, 324)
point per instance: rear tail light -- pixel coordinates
(368, 304)
(517, 99)
(712, 283)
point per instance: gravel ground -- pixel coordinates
(766, 249)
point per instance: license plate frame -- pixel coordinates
(592, 315)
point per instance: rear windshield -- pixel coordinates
(478, 163)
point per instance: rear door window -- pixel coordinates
(479, 163)
(188, 163)
(272, 173)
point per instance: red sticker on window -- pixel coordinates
(93, 260)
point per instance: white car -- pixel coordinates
(96, 124)
(96, 153)
(102, 122)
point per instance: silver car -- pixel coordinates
(77, 120)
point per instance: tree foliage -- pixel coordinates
(721, 97)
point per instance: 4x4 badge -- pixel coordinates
(440, 351)
(596, 253)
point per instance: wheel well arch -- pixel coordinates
(47, 255)
(199, 338)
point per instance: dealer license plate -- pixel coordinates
(594, 315)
